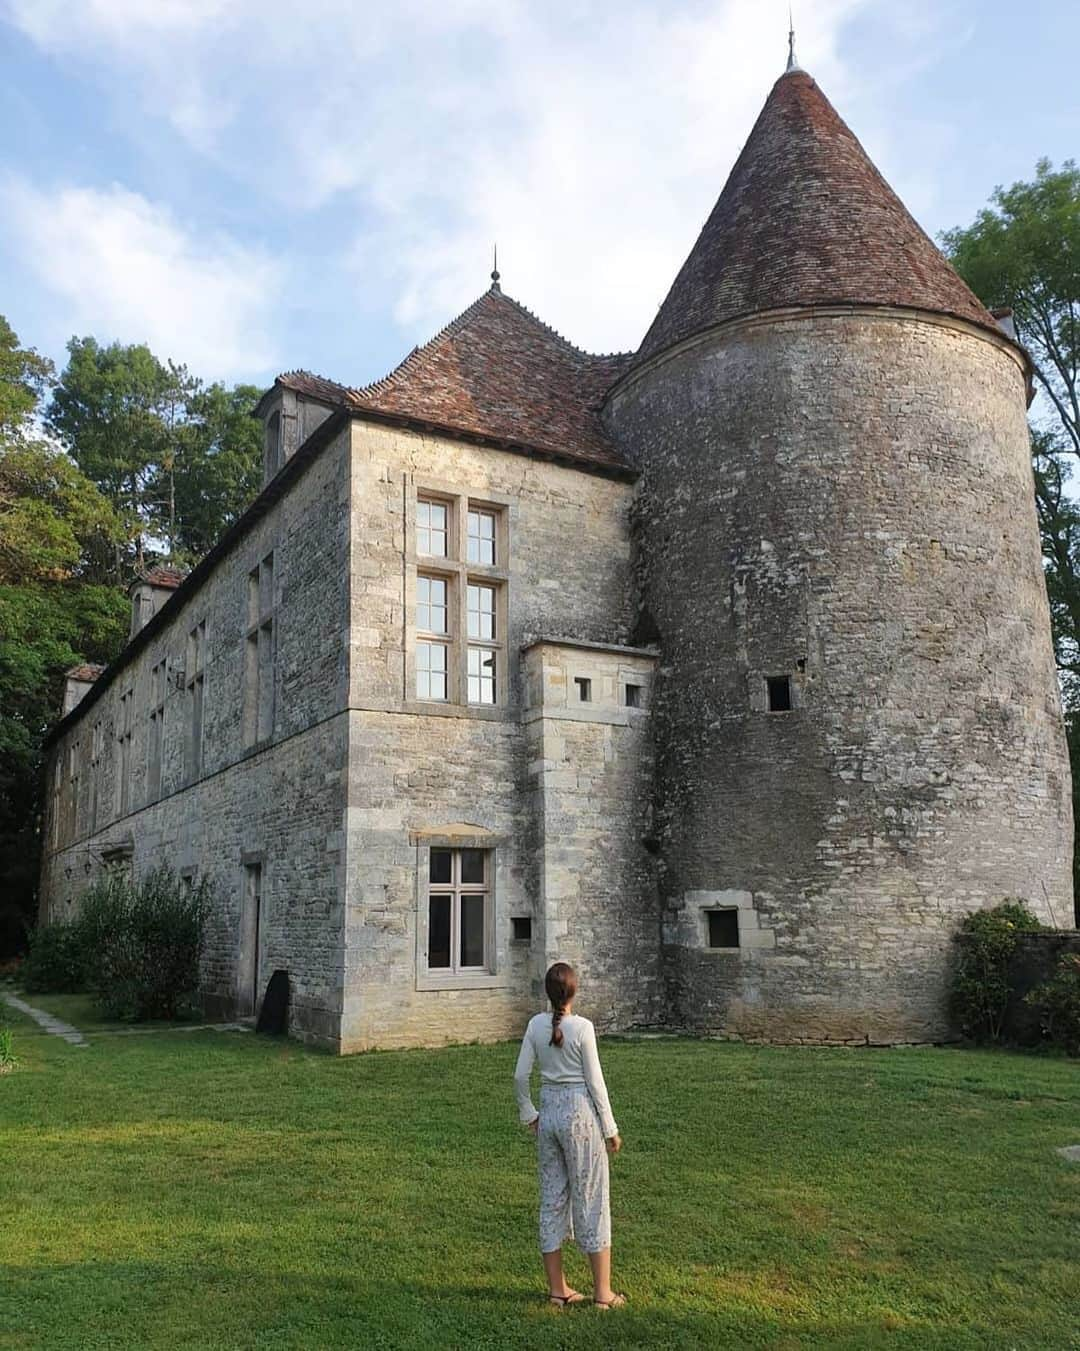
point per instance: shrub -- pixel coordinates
(8, 1058)
(148, 938)
(1057, 1001)
(56, 961)
(980, 976)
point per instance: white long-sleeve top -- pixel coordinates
(576, 1061)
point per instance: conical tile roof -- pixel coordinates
(806, 219)
(498, 373)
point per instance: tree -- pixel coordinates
(116, 409)
(216, 470)
(178, 460)
(56, 529)
(1023, 253)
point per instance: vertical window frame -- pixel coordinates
(260, 653)
(155, 743)
(195, 701)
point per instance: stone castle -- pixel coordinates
(721, 669)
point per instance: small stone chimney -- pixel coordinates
(77, 682)
(150, 592)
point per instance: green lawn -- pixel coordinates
(201, 1189)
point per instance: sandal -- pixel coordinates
(615, 1302)
(561, 1301)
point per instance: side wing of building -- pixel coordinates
(216, 745)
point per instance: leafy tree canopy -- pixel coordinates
(1023, 253)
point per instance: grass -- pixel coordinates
(218, 1190)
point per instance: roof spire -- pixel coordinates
(495, 268)
(792, 60)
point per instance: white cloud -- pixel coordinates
(123, 268)
(589, 139)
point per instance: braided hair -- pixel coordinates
(561, 985)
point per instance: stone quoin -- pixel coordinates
(721, 669)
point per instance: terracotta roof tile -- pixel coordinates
(498, 372)
(88, 671)
(806, 219)
(163, 576)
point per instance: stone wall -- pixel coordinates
(590, 774)
(843, 499)
(279, 802)
(418, 769)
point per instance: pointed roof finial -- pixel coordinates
(792, 60)
(495, 268)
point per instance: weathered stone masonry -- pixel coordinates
(745, 697)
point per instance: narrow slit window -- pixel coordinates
(779, 688)
(723, 928)
(583, 685)
(521, 929)
(632, 696)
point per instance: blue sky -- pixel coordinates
(252, 186)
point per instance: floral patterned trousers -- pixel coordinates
(574, 1201)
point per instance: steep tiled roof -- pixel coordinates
(806, 219)
(498, 373)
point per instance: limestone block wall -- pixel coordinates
(417, 768)
(279, 801)
(590, 776)
(843, 499)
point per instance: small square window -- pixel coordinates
(521, 929)
(632, 696)
(723, 928)
(584, 689)
(779, 688)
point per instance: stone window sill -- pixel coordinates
(461, 980)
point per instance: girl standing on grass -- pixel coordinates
(575, 1132)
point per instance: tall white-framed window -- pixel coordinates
(432, 527)
(156, 738)
(482, 625)
(458, 653)
(195, 684)
(259, 654)
(433, 636)
(459, 918)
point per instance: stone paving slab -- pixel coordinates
(55, 1026)
(1070, 1152)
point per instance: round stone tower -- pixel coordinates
(858, 720)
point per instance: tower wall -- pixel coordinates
(843, 497)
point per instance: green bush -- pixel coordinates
(8, 1058)
(56, 962)
(980, 974)
(147, 938)
(1057, 1001)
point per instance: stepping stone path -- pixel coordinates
(1070, 1152)
(70, 1034)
